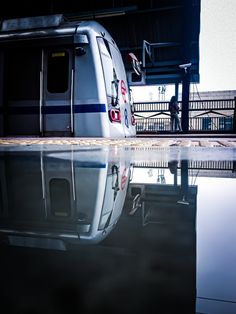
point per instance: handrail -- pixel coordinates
(194, 105)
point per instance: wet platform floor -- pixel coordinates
(137, 225)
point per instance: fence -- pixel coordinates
(205, 116)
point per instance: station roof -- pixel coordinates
(163, 34)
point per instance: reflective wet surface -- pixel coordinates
(117, 229)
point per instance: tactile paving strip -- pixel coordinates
(136, 142)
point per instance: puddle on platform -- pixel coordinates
(117, 230)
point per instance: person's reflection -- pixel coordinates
(173, 166)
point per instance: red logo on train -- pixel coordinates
(123, 179)
(123, 90)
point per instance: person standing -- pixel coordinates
(174, 115)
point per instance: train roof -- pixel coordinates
(163, 34)
(50, 26)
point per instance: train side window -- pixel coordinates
(107, 65)
(58, 71)
(117, 61)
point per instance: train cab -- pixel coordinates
(62, 78)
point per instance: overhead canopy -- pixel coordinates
(162, 34)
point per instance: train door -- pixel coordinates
(21, 90)
(57, 99)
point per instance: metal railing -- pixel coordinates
(204, 116)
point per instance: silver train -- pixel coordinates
(56, 199)
(60, 78)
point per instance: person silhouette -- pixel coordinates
(174, 115)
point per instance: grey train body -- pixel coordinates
(62, 78)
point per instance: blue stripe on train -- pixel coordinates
(88, 108)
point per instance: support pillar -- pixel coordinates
(177, 90)
(185, 101)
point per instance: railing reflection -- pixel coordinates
(155, 200)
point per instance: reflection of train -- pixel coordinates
(61, 78)
(48, 202)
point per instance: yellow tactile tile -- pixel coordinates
(205, 143)
(226, 143)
